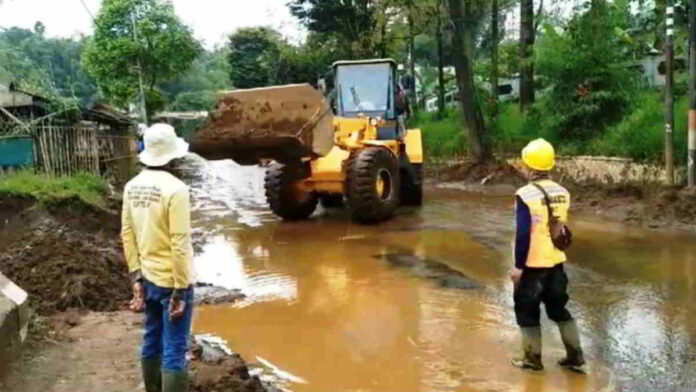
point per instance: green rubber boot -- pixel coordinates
(574, 359)
(175, 381)
(531, 350)
(152, 374)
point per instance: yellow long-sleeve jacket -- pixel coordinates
(156, 229)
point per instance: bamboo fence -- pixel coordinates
(66, 150)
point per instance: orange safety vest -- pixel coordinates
(542, 253)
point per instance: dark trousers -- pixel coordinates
(537, 285)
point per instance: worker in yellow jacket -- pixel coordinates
(538, 273)
(156, 234)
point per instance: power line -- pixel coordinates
(89, 12)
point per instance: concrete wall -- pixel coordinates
(605, 170)
(14, 320)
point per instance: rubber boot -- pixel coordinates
(574, 359)
(152, 374)
(175, 381)
(531, 349)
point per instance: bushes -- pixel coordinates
(638, 135)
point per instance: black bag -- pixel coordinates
(561, 236)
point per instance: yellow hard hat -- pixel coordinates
(539, 155)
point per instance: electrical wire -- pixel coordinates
(88, 11)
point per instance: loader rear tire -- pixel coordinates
(285, 198)
(412, 186)
(373, 185)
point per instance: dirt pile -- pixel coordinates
(651, 206)
(65, 256)
(229, 374)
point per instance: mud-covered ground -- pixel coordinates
(68, 256)
(98, 351)
(641, 205)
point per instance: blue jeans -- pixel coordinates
(164, 338)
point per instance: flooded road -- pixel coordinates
(423, 302)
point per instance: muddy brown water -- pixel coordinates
(326, 309)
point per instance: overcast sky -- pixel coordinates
(211, 20)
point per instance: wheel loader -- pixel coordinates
(347, 147)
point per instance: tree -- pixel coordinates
(259, 56)
(463, 14)
(198, 88)
(253, 56)
(164, 48)
(588, 90)
(353, 21)
(527, 37)
(39, 28)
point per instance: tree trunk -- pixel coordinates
(440, 63)
(411, 60)
(527, 36)
(494, 63)
(383, 35)
(473, 118)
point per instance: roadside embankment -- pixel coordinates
(60, 242)
(604, 188)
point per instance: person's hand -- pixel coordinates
(176, 307)
(515, 275)
(137, 304)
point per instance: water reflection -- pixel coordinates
(220, 264)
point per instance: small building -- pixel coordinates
(62, 140)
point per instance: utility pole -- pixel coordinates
(669, 95)
(494, 62)
(692, 95)
(143, 108)
(441, 64)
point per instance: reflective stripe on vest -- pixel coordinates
(542, 253)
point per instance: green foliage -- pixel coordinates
(259, 56)
(640, 134)
(442, 138)
(353, 22)
(588, 91)
(197, 88)
(91, 189)
(48, 66)
(253, 56)
(165, 47)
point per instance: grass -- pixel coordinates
(89, 188)
(442, 138)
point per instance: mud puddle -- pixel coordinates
(322, 313)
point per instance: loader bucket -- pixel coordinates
(281, 123)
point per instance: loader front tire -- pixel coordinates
(373, 185)
(284, 196)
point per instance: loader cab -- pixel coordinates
(366, 88)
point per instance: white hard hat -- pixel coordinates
(162, 145)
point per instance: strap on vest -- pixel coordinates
(546, 197)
